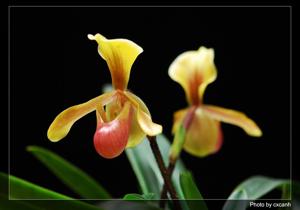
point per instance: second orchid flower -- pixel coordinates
(194, 70)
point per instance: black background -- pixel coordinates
(54, 66)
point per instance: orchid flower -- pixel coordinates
(123, 119)
(194, 70)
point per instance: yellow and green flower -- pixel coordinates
(194, 70)
(123, 119)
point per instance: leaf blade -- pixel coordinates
(76, 179)
(128, 205)
(15, 205)
(257, 186)
(191, 192)
(31, 195)
(135, 196)
(146, 169)
(254, 188)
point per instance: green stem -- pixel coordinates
(176, 148)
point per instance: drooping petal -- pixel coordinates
(233, 117)
(62, 124)
(119, 55)
(137, 101)
(136, 133)
(204, 135)
(110, 138)
(145, 122)
(143, 116)
(194, 70)
(141, 123)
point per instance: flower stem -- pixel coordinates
(163, 170)
(163, 195)
(176, 148)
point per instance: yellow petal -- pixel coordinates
(136, 135)
(178, 118)
(204, 135)
(143, 123)
(62, 124)
(194, 70)
(119, 55)
(233, 117)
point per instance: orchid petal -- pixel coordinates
(143, 124)
(110, 139)
(194, 70)
(119, 55)
(178, 119)
(62, 124)
(204, 135)
(233, 117)
(136, 133)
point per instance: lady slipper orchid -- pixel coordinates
(123, 119)
(194, 70)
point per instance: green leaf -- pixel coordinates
(146, 169)
(134, 196)
(240, 204)
(286, 191)
(149, 196)
(21, 189)
(128, 205)
(191, 191)
(27, 196)
(254, 188)
(15, 204)
(189, 186)
(76, 179)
